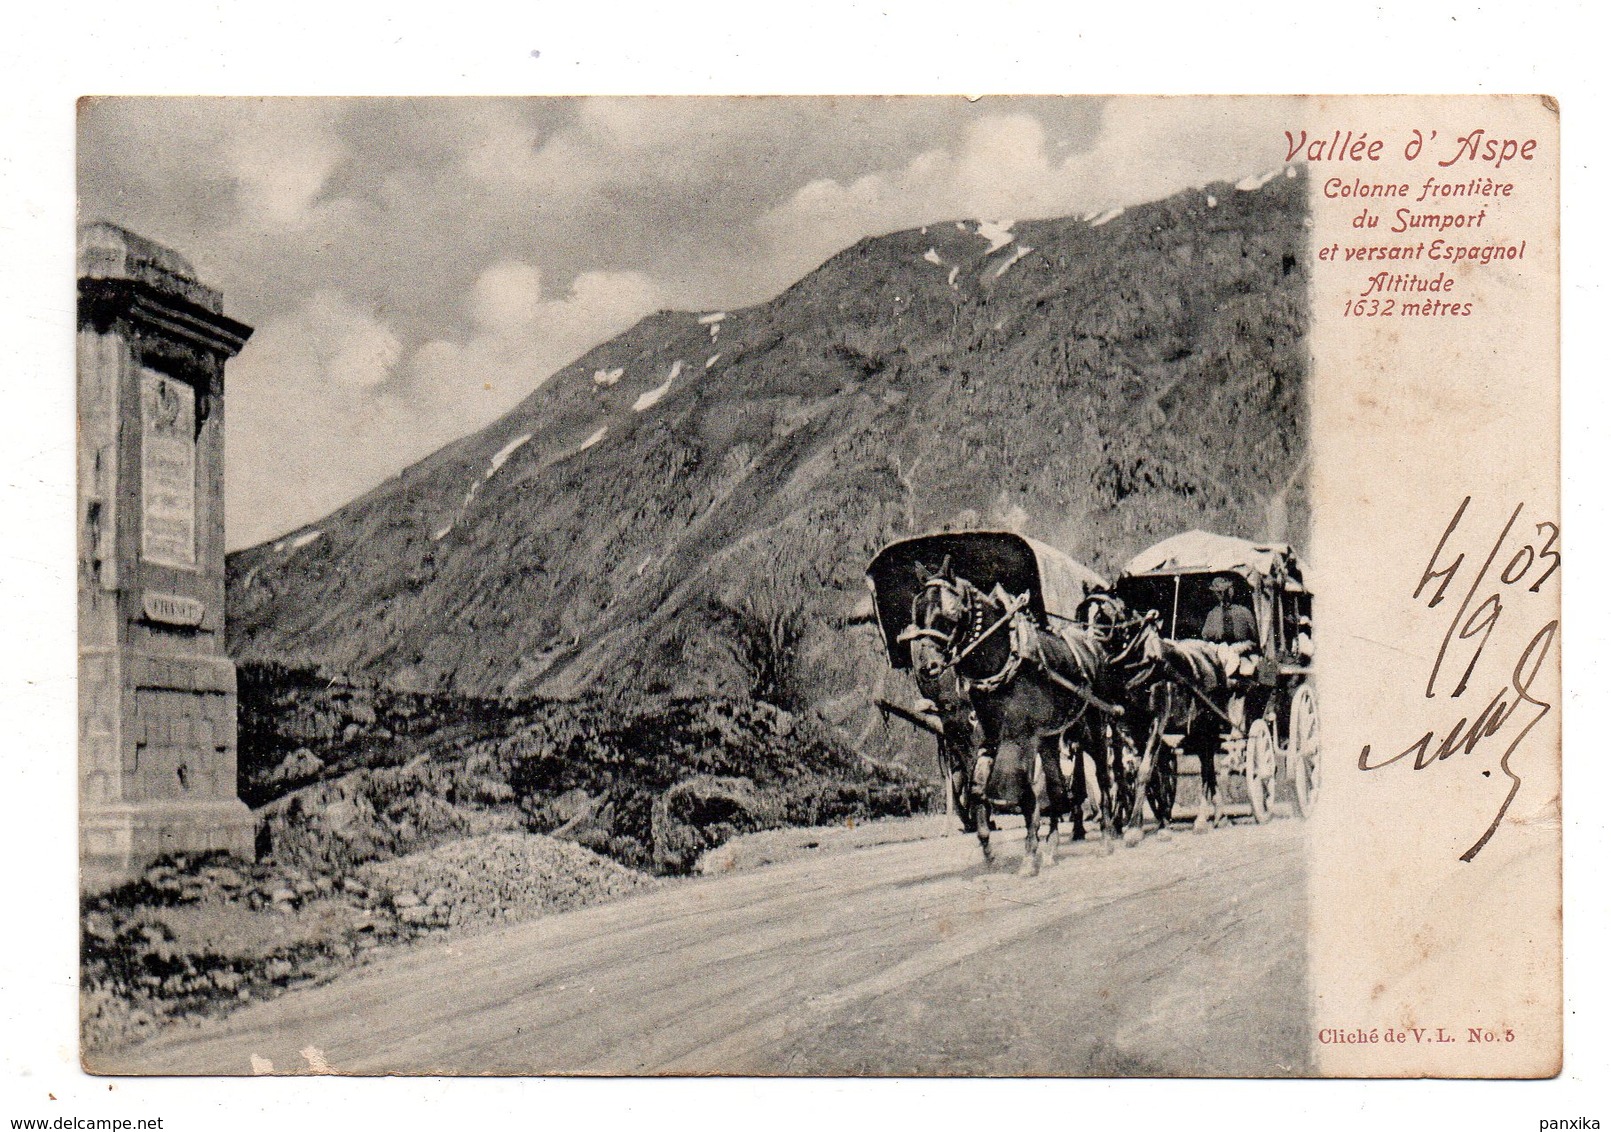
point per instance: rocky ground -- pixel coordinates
(385, 816)
(500, 878)
(198, 937)
(343, 773)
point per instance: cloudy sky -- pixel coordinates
(415, 267)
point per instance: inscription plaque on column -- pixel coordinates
(167, 470)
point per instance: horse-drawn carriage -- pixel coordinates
(1031, 663)
(1277, 729)
(980, 616)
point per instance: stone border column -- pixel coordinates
(157, 724)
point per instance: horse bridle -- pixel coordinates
(970, 598)
(1130, 629)
(972, 620)
(916, 631)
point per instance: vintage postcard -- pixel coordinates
(829, 586)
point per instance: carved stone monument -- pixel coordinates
(156, 690)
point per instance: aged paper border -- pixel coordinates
(883, 53)
(1417, 915)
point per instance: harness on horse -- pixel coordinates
(1147, 669)
(1024, 645)
(1024, 642)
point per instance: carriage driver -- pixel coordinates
(1231, 625)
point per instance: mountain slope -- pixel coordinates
(689, 506)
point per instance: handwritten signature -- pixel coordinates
(1468, 634)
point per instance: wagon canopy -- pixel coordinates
(1200, 552)
(1056, 584)
(1174, 579)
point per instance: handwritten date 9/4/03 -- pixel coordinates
(1514, 569)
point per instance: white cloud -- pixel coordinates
(1003, 168)
(1151, 147)
(452, 386)
(334, 406)
(500, 148)
(1000, 168)
(608, 298)
(277, 191)
(330, 340)
(308, 424)
(1146, 149)
(281, 159)
(507, 296)
(520, 339)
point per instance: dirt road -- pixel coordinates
(1180, 957)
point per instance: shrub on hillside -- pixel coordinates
(632, 761)
(597, 772)
(702, 812)
(302, 725)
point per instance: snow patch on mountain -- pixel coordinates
(998, 232)
(714, 321)
(608, 376)
(1248, 184)
(652, 398)
(501, 456)
(1014, 258)
(458, 516)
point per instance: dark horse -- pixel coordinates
(1031, 690)
(941, 687)
(1164, 686)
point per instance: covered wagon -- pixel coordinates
(1175, 580)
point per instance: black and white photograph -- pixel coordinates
(870, 565)
(742, 586)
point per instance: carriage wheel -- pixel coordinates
(1124, 784)
(1303, 750)
(1165, 784)
(1260, 758)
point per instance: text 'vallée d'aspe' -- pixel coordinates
(1476, 146)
